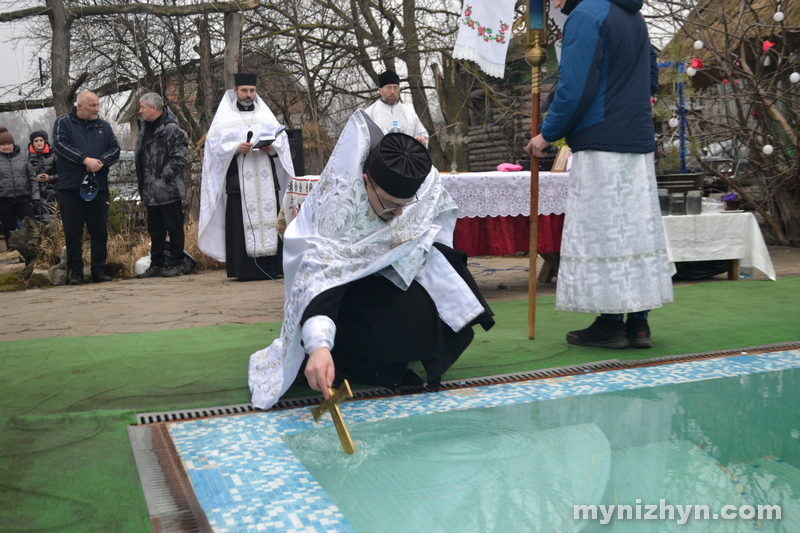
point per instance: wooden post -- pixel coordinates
(535, 56)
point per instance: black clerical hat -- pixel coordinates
(244, 79)
(388, 78)
(399, 164)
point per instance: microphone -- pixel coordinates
(249, 136)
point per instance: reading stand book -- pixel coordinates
(267, 138)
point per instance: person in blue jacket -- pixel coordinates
(85, 147)
(613, 249)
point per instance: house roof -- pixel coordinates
(734, 30)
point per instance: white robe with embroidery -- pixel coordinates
(613, 249)
(337, 238)
(384, 114)
(259, 207)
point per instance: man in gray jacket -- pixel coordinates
(160, 157)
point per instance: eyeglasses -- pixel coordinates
(389, 209)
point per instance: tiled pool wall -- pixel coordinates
(247, 479)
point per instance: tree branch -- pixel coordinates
(137, 8)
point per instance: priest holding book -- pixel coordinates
(242, 186)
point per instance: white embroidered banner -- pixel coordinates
(483, 34)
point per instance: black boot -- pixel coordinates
(75, 278)
(604, 333)
(101, 277)
(638, 332)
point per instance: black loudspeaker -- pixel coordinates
(296, 147)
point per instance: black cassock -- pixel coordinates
(238, 264)
(380, 328)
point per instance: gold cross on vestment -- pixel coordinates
(332, 405)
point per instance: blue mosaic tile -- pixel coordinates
(247, 479)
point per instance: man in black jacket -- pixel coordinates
(85, 148)
(160, 157)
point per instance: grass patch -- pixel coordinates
(11, 282)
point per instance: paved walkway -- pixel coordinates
(210, 299)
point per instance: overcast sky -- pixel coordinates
(12, 62)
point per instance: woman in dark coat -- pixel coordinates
(43, 160)
(19, 190)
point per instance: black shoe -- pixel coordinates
(152, 271)
(172, 271)
(75, 279)
(604, 333)
(101, 278)
(638, 332)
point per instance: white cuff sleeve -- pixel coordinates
(318, 332)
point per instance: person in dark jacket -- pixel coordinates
(160, 157)
(85, 148)
(43, 160)
(613, 249)
(19, 193)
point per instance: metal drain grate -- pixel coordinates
(572, 370)
(378, 392)
(189, 414)
(749, 350)
(171, 501)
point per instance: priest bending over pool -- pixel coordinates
(371, 279)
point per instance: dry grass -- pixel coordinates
(124, 248)
(204, 262)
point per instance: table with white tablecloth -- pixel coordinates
(494, 211)
(505, 194)
(717, 236)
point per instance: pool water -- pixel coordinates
(729, 441)
(518, 456)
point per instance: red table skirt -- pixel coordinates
(506, 235)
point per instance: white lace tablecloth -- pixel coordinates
(717, 236)
(477, 194)
(506, 194)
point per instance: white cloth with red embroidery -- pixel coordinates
(484, 30)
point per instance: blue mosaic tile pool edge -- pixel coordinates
(247, 479)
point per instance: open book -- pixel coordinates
(266, 137)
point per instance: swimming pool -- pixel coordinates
(519, 456)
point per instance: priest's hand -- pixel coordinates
(422, 139)
(537, 146)
(245, 148)
(320, 371)
(268, 150)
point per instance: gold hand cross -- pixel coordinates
(332, 405)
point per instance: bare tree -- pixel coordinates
(741, 99)
(337, 51)
(62, 24)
